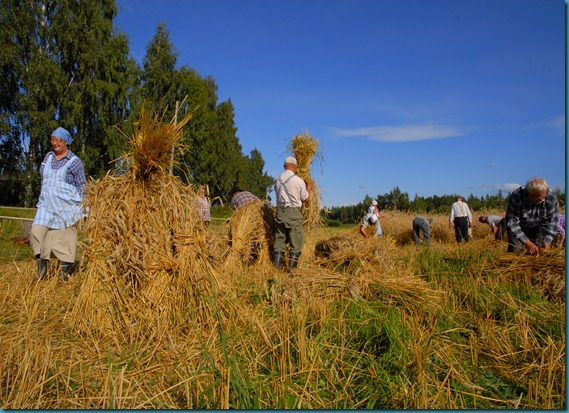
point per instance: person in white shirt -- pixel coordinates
(461, 218)
(291, 191)
(372, 218)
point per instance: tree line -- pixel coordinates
(63, 63)
(396, 200)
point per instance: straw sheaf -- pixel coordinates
(250, 234)
(546, 270)
(352, 252)
(351, 266)
(152, 143)
(147, 250)
(148, 260)
(305, 149)
(315, 286)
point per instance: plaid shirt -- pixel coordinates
(202, 206)
(242, 198)
(75, 174)
(561, 224)
(522, 213)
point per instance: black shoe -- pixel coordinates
(293, 260)
(67, 269)
(42, 268)
(278, 259)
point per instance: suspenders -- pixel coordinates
(282, 187)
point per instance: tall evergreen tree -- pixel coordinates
(255, 178)
(160, 81)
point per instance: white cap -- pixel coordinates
(374, 203)
(290, 160)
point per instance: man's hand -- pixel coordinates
(532, 248)
(546, 246)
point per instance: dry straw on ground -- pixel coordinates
(546, 270)
(374, 270)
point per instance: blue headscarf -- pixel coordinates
(62, 133)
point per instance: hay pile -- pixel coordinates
(250, 235)
(546, 270)
(147, 261)
(361, 268)
(352, 253)
(399, 226)
(306, 150)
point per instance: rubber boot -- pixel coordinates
(278, 259)
(293, 260)
(42, 267)
(67, 269)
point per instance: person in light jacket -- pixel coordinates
(59, 208)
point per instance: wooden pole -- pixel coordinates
(172, 153)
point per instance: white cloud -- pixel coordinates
(505, 188)
(509, 187)
(401, 133)
(555, 124)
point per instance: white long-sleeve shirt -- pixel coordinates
(290, 190)
(459, 209)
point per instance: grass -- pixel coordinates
(485, 338)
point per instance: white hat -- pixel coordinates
(374, 203)
(290, 160)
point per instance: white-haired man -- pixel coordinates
(531, 217)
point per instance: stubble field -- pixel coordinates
(362, 323)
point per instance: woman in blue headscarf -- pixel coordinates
(54, 230)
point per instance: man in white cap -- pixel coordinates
(54, 230)
(291, 191)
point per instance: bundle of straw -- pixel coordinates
(305, 148)
(546, 270)
(353, 253)
(250, 234)
(373, 270)
(147, 260)
(152, 143)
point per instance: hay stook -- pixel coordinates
(250, 234)
(147, 249)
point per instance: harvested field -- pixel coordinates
(165, 313)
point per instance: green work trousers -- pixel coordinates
(288, 229)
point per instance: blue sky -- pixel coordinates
(432, 96)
